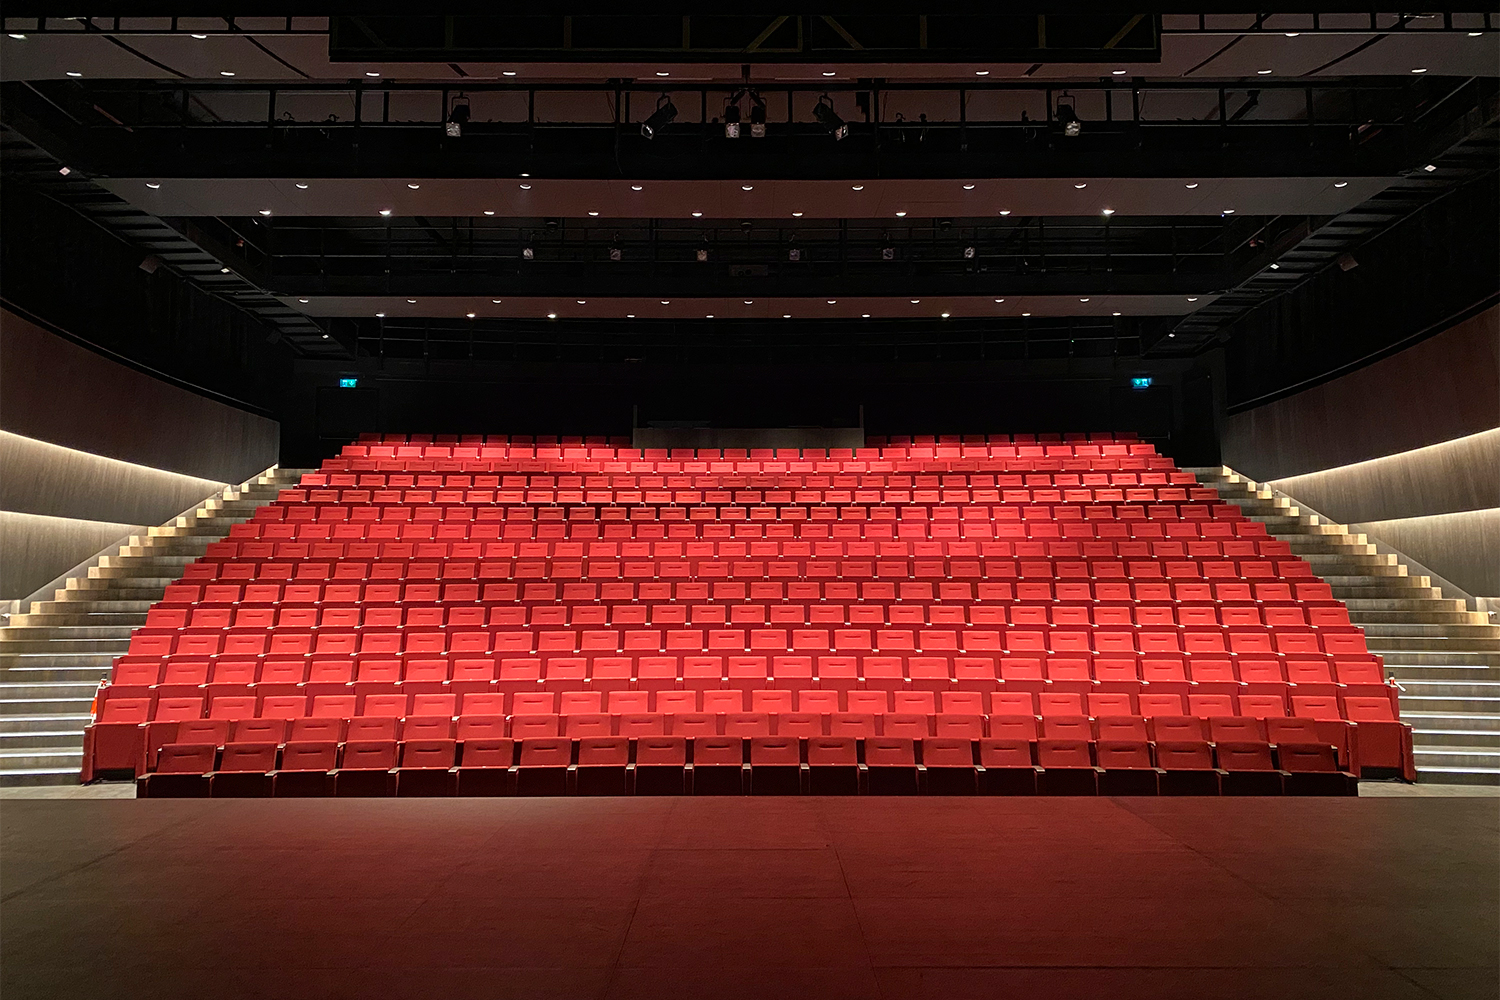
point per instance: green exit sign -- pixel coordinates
(353, 383)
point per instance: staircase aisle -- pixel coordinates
(53, 657)
(1445, 658)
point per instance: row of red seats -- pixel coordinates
(360, 554)
(1037, 484)
(621, 442)
(732, 706)
(1119, 674)
(707, 765)
(925, 593)
(898, 466)
(729, 456)
(1346, 641)
(1204, 616)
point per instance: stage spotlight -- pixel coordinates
(1067, 116)
(458, 117)
(757, 117)
(732, 121)
(829, 118)
(664, 114)
(528, 254)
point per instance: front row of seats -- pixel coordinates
(728, 765)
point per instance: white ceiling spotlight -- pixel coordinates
(470, 315)
(301, 186)
(857, 187)
(1340, 184)
(946, 315)
(796, 215)
(495, 301)
(223, 270)
(225, 72)
(1192, 298)
(1005, 211)
(915, 301)
(828, 72)
(900, 215)
(489, 211)
(1117, 72)
(981, 72)
(1108, 211)
(998, 301)
(1293, 34)
(1080, 187)
(1263, 72)
(747, 187)
(968, 187)
(507, 72)
(635, 187)
(414, 186)
(371, 72)
(552, 315)
(380, 315)
(72, 73)
(385, 212)
(525, 187)
(1430, 167)
(21, 38)
(1083, 300)
(697, 215)
(1192, 185)
(1420, 69)
(1114, 314)
(265, 211)
(593, 214)
(662, 73)
(1275, 267)
(1228, 211)
(864, 315)
(200, 37)
(304, 301)
(833, 301)
(153, 185)
(582, 302)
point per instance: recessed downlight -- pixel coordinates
(998, 301)
(900, 215)
(747, 187)
(507, 72)
(304, 301)
(981, 72)
(489, 211)
(833, 301)
(1192, 298)
(1228, 211)
(72, 73)
(968, 187)
(265, 211)
(1117, 72)
(1114, 314)
(411, 301)
(225, 72)
(1263, 72)
(857, 187)
(1419, 69)
(414, 185)
(828, 72)
(470, 315)
(666, 302)
(223, 270)
(1340, 184)
(153, 185)
(697, 215)
(635, 187)
(371, 72)
(593, 214)
(915, 301)
(1026, 314)
(582, 302)
(864, 315)
(380, 315)
(525, 187)
(1192, 185)
(1108, 211)
(552, 315)
(496, 301)
(1083, 300)
(301, 186)
(662, 73)
(1005, 211)
(796, 215)
(946, 315)
(200, 37)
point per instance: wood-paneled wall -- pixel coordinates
(1439, 479)
(36, 549)
(1445, 387)
(54, 390)
(1462, 547)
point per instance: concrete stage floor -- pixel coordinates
(1168, 899)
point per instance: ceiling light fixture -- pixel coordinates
(1005, 211)
(981, 72)
(968, 187)
(1080, 187)
(1192, 185)
(1026, 314)
(413, 186)
(1472, 34)
(1192, 298)
(265, 211)
(495, 301)
(507, 72)
(864, 315)
(697, 215)
(1420, 69)
(525, 187)
(709, 316)
(747, 187)
(325, 336)
(1083, 300)
(900, 215)
(828, 72)
(302, 300)
(1263, 72)
(1118, 72)
(1275, 267)
(22, 38)
(1114, 314)
(71, 73)
(301, 186)
(552, 315)
(915, 301)
(153, 185)
(223, 270)
(371, 72)
(385, 211)
(832, 301)
(1430, 167)
(582, 302)
(857, 187)
(666, 302)
(1228, 211)
(946, 315)
(489, 211)
(593, 213)
(998, 301)
(662, 73)
(1293, 34)
(630, 315)
(796, 215)
(749, 302)
(380, 315)
(1340, 184)
(470, 315)
(225, 72)
(1109, 211)
(199, 37)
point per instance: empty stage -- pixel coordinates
(820, 898)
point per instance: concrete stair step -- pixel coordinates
(90, 673)
(1458, 775)
(1464, 706)
(1440, 620)
(32, 758)
(44, 722)
(109, 592)
(1435, 658)
(144, 570)
(1482, 689)
(20, 661)
(37, 776)
(1445, 672)
(1389, 591)
(80, 606)
(58, 739)
(33, 633)
(1434, 643)
(1455, 737)
(154, 583)
(114, 647)
(46, 706)
(87, 619)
